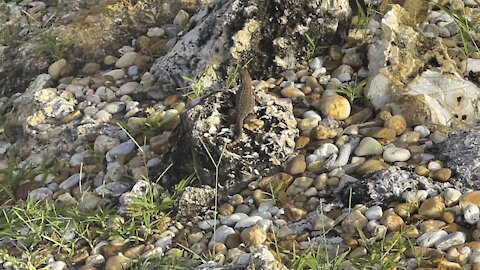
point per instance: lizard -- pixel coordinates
(244, 103)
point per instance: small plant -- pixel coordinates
(9, 35)
(468, 30)
(316, 260)
(54, 47)
(351, 92)
(364, 16)
(195, 86)
(311, 47)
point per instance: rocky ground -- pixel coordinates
(362, 155)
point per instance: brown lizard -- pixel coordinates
(244, 103)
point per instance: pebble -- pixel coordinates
(39, 194)
(432, 207)
(394, 154)
(221, 233)
(57, 265)
(117, 263)
(297, 165)
(441, 175)
(451, 196)
(253, 236)
(247, 222)
(368, 146)
(292, 92)
(71, 181)
(470, 197)
(128, 88)
(471, 213)
(126, 60)
(353, 222)
(429, 239)
(447, 241)
(397, 123)
(120, 150)
(374, 213)
(334, 106)
(55, 68)
(322, 223)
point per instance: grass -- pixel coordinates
(53, 47)
(311, 47)
(468, 30)
(351, 92)
(9, 35)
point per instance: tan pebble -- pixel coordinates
(448, 217)
(316, 167)
(109, 60)
(441, 175)
(117, 263)
(306, 90)
(383, 115)
(279, 180)
(405, 210)
(432, 207)
(67, 70)
(77, 114)
(301, 73)
(359, 117)
(253, 236)
(475, 266)
(446, 265)
(384, 133)
(422, 170)
(476, 235)
(297, 165)
(292, 92)
(134, 252)
(301, 142)
(397, 123)
(335, 52)
(411, 137)
(322, 132)
(411, 231)
(79, 256)
(371, 165)
(90, 68)
(179, 106)
(143, 61)
(392, 221)
(320, 182)
(333, 182)
(353, 222)
(307, 123)
(236, 199)
(232, 240)
(81, 81)
(431, 225)
(294, 213)
(259, 197)
(220, 248)
(335, 106)
(226, 209)
(55, 68)
(470, 197)
(288, 244)
(170, 100)
(195, 237)
(357, 253)
(312, 82)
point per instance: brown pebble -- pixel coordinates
(297, 165)
(470, 197)
(405, 210)
(279, 180)
(359, 117)
(294, 213)
(259, 196)
(253, 236)
(301, 142)
(322, 132)
(397, 123)
(422, 170)
(320, 182)
(383, 115)
(392, 221)
(448, 217)
(432, 207)
(226, 209)
(232, 240)
(431, 225)
(236, 199)
(441, 175)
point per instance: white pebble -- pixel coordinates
(434, 165)
(394, 154)
(471, 213)
(422, 130)
(429, 239)
(374, 213)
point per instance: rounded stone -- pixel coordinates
(432, 207)
(374, 212)
(55, 68)
(441, 175)
(397, 123)
(353, 222)
(128, 59)
(471, 213)
(429, 239)
(392, 221)
(253, 236)
(292, 92)
(451, 196)
(335, 106)
(297, 165)
(368, 146)
(452, 239)
(117, 263)
(394, 154)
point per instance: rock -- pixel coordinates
(451, 196)
(117, 263)
(374, 212)
(104, 143)
(429, 239)
(431, 97)
(128, 88)
(72, 181)
(271, 145)
(292, 92)
(322, 223)
(39, 194)
(264, 260)
(294, 213)
(57, 265)
(385, 186)
(120, 150)
(441, 175)
(392, 221)
(368, 146)
(221, 233)
(397, 123)
(232, 219)
(353, 222)
(212, 22)
(452, 239)
(253, 236)
(155, 32)
(128, 59)
(297, 165)
(55, 68)
(471, 213)
(394, 154)
(195, 200)
(432, 207)
(247, 222)
(334, 106)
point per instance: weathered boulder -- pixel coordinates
(413, 74)
(270, 34)
(202, 142)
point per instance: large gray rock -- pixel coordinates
(385, 186)
(461, 153)
(268, 33)
(201, 141)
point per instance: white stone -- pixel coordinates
(232, 219)
(39, 194)
(102, 116)
(374, 212)
(368, 146)
(472, 65)
(451, 196)
(394, 154)
(126, 60)
(128, 88)
(415, 195)
(247, 222)
(429, 239)
(221, 233)
(325, 150)
(471, 213)
(155, 32)
(422, 130)
(454, 238)
(116, 74)
(434, 165)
